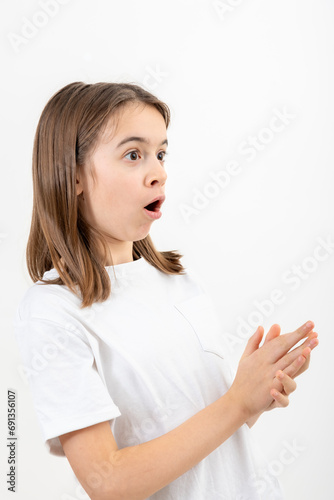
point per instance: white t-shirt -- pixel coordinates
(147, 359)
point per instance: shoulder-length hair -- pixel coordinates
(68, 130)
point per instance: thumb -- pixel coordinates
(253, 342)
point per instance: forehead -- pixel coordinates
(136, 118)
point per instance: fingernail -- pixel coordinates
(313, 343)
(280, 375)
(309, 324)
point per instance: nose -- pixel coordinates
(157, 173)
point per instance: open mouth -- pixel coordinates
(153, 207)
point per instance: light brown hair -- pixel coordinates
(69, 128)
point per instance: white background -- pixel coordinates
(224, 74)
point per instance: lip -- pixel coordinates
(153, 215)
(161, 199)
(156, 214)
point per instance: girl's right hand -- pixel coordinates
(257, 368)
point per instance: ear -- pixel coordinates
(79, 187)
(78, 182)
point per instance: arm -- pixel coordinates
(137, 472)
(251, 421)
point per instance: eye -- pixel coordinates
(164, 153)
(132, 153)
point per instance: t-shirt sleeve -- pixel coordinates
(59, 368)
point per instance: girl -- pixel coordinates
(122, 347)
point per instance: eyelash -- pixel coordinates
(136, 151)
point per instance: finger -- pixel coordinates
(277, 385)
(273, 332)
(304, 366)
(312, 335)
(294, 368)
(289, 385)
(280, 399)
(254, 342)
(282, 344)
(289, 358)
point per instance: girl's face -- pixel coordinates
(128, 177)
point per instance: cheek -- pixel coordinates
(118, 194)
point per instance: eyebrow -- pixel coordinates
(139, 139)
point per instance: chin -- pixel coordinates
(141, 234)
